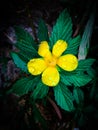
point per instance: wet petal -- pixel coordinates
(68, 62)
(43, 49)
(36, 66)
(59, 47)
(51, 76)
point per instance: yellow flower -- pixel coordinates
(47, 65)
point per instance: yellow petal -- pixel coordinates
(36, 66)
(68, 62)
(43, 49)
(59, 47)
(50, 76)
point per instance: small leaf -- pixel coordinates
(63, 97)
(62, 29)
(42, 31)
(40, 91)
(19, 62)
(78, 95)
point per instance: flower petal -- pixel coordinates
(36, 66)
(68, 62)
(51, 76)
(43, 49)
(59, 47)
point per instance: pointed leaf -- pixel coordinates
(42, 31)
(40, 91)
(63, 97)
(19, 62)
(78, 95)
(62, 29)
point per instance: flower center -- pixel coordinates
(51, 61)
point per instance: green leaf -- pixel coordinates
(19, 62)
(62, 29)
(85, 64)
(24, 85)
(42, 31)
(25, 41)
(91, 72)
(63, 97)
(78, 95)
(82, 120)
(40, 91)
(24, 56)
(64, 80)
(85, 42)
(27, 55)
(93, 90)
(78, 80)
(73, 45)
(23, 35)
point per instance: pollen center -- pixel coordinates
(51, 61)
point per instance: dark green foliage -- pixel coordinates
(42, 31)
(25, 43)
(63, 97)
(85, 64)
(62, 29)
(78, 95)
(24, 37)
(81, 76)
(73, 45)
(19, 62)
(78, 80)
(24, 85)
(64, 80)
(40, 91)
